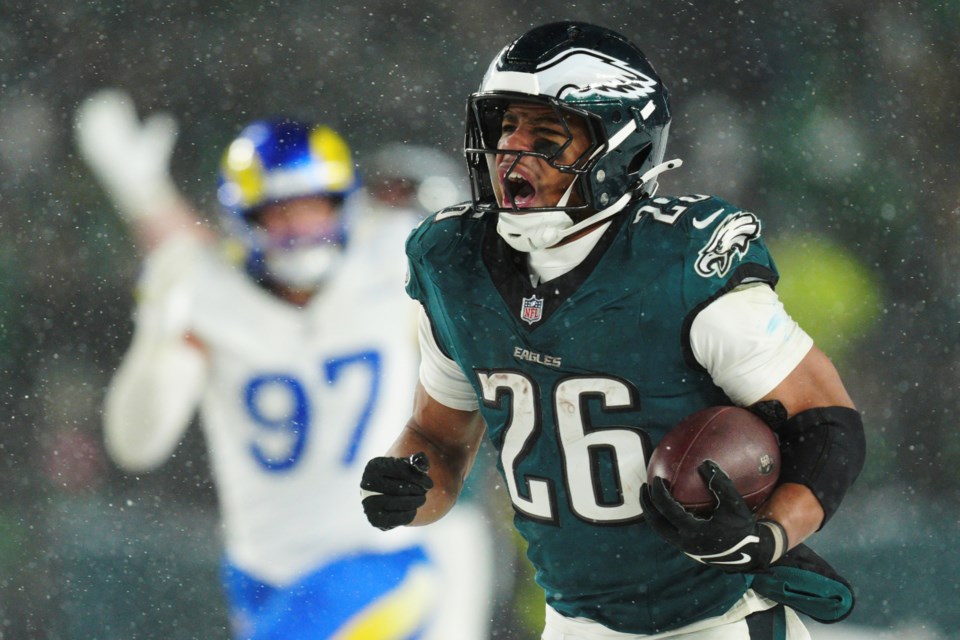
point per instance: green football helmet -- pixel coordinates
(580, 71)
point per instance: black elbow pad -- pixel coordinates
(823, 449)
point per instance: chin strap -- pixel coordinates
(535, 230)
(653, 172)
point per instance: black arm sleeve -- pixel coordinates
(823, 449)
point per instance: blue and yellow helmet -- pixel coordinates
(280, 159)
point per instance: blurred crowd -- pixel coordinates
(836, 120)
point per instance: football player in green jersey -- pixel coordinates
(573, 317)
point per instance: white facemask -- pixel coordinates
(302, 268)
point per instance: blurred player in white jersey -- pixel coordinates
(299, 355)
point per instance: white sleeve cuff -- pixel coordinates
(748, 343)
(441, 376)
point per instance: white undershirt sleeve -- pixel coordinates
(747, 342)
(151, 401)
(155, 392)
(440, 375)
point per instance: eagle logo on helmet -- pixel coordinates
(730, 241)
(575, 74)
(616, 77)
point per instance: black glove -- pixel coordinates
(731, 539)
(392, 489)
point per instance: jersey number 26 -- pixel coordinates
(581, 446)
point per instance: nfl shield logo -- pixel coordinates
(532, 309)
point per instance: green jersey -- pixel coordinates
(578, 379)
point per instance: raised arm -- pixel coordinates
(155, 391)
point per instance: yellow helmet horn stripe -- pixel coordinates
(242, 166)
(327, 144)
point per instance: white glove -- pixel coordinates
(131, 159)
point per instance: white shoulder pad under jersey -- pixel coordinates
(440, 376)
(748, 343)
(300, 399)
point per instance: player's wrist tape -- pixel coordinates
(778, 538)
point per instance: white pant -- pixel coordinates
(461, 545)
(729, 626)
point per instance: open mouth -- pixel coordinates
(518, 191)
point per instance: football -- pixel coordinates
(737, 440)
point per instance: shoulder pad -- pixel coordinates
(439, 240)
(442, 229)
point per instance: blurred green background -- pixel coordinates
(835, 120)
